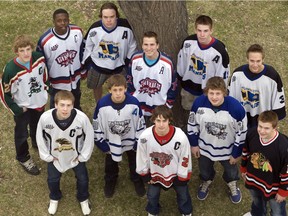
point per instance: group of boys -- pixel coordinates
(159, 155)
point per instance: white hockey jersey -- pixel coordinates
(195, 65)
(117, 126)
(164, 161)
(108, 50)
(65, 143)
(152, 85)
(219, 133)
(63, 57)
(258, 92)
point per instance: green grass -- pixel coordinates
(237, 24)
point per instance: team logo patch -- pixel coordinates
(55, 47)
(191, 118)
(63, 145)
(138, 68)
(119, 127)
(149, 86)
(187, 45)
(92, 34)
(35, 86)
(216, 129)
(95, 125)
(49, 126)
(143, 140)
(200, 111)
(259, 161)
(250, 97)
(161, 159)
(233, 79)
(66, 58)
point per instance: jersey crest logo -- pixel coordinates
(250, 97)
(259, 161)
(35, 87)
(200, 111)
(55, 47)
(143, 140)
(138, 68)
(187, 45)
(216, 129)
(120, 128)
(149, 86)
(92, 34)
(63, 145)
(191, 118)
(49, 126)
(161, 159)
(198, 66)
(109, 50)
(66, 58)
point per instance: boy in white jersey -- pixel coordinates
(65, 137)
(118, 122)
(23, 92)
(164, 161)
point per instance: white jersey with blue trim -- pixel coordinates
(219, 132)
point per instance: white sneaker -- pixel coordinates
(85, 206)
(247, 214)
(53, 205)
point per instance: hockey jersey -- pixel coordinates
(258, 92)
(117, 126)
(266, 164)
(219, 133)
(63, 56)
(195, 65)
(22, 87)
(108, 50)
(164, 161)
(152, 85)
(64, 143)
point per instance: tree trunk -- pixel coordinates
(169, 20)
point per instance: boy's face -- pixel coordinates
(204, 33)
(24, 54)
(161, 125)
(150, 47)
(266, 130)
(255, 62)
(61, 23)
(118, 93)
(216, 97)
(64, 108)
(109, 18)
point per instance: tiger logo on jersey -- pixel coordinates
(66, 58)
(120, 128)
(149, 86)
(250, 97)
(161, 159)
(198, 66)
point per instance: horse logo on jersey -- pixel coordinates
(250, 97)
(35, 87)
(66, 58)
(63, 145)
(109, 50)
(149, 86)
(259, 161)
(198, 66)
(161, 159)
(216, 129)
(120, 128)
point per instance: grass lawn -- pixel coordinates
(237, 24)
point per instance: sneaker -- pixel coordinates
(85, 206)
(140, 188)
(109, 188)
(30, 167)
(247, 214)
(203, 190)
(235, 193)
(53, 205)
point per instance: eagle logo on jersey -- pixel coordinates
(120, 128)
(259, 161)
(35, 87)
(250, 97)
(161, 159)
(198, 66)
(63, 145)
(149, 86)
(216, 129)
(66, 58)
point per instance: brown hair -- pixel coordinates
(163, 111)
(22, 41)
(64, 95)
(204, 20)
(116, 80)
(216, 83)
(151, 34)
(269, 117)
(109, 5)
(255, 48)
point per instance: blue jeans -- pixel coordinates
(81, 175)
(183, 199)
(258, 206)
(207, 172)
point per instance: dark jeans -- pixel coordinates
(31, 118)
(81, 175)
(183, 199)
(76, 92)
(207, 172)
(112, 168)
(259, 205)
